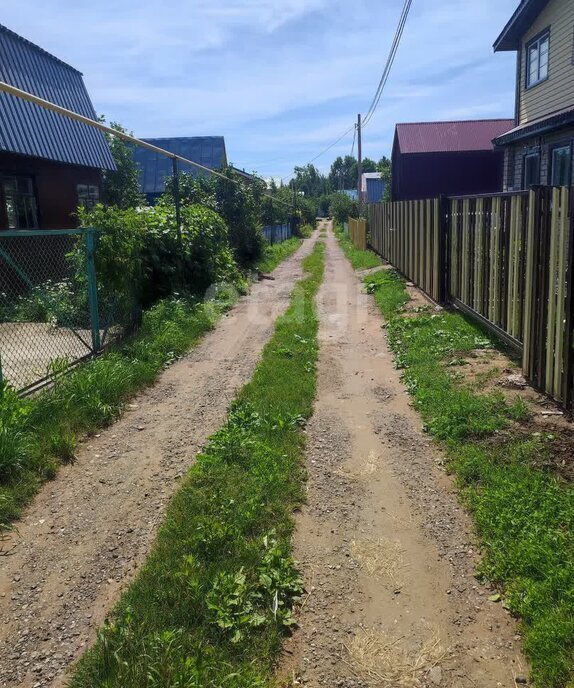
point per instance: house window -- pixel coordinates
(561, 165)
(21, 204)
(88, 195)
(537, 59)
(531, 170)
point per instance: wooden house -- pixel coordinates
(49, 164)
(538, 147)
(450, 158)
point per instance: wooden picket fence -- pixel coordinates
(358, 233)
(504, 259)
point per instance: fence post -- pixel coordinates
(568, 352)
(92, 289)
(444, 248)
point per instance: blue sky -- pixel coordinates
(280, 79)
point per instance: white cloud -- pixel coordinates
(280, 79)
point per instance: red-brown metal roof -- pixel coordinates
(450, 137)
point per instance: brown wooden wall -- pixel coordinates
(56, 188)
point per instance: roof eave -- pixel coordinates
(552, 123)
(523, 17)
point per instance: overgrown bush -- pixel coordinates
(240, 206)
(238, 202)
(342, 207)
(307, 208)
(203, 259)
(55, 302)
(139, 253)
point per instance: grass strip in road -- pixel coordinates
(360, 260)
(276, 253)
(212, 603)
(524, 514)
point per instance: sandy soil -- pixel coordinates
(87, 532)
(387, 552)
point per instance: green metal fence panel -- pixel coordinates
(54, 312)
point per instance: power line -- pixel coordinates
(379, 92)
(354, 139)
(325, 150)
(47, 105)
(390, 59)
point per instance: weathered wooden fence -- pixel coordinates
(505, 259)
(358, 233)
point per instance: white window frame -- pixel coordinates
(538, 50)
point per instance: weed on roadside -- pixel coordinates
(213, 601)
(38, 433)
(276, 253)
(360, 260)
(524, 514)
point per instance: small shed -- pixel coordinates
(372, 187)
(450, 158)
(155, 168)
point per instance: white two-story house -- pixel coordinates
(539, 149)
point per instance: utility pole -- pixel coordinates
(360, 161)
(295, 217)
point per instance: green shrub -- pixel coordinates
(306, 230)
(342, 207)
(238, 202)
(139, 255)
(55, 302)
(203, 259)
(240, 206)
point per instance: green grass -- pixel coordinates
(211, 605)
(277, 253)
(360, 260)
(38, 433)
(524, 515)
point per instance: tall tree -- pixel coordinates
(369, 165)
(121, 187)
(343, 174)
(309, 181)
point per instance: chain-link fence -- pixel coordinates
(54, 312)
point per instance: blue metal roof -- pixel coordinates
(28, 129)
(155, 168)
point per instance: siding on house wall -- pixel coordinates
(557, 92)
(514, 158)
(56, 188)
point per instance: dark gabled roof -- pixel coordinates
(449, 137)
(522, 19)
(28, 129)
(208, 151)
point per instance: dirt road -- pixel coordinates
(386, 550)
(88, 530)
